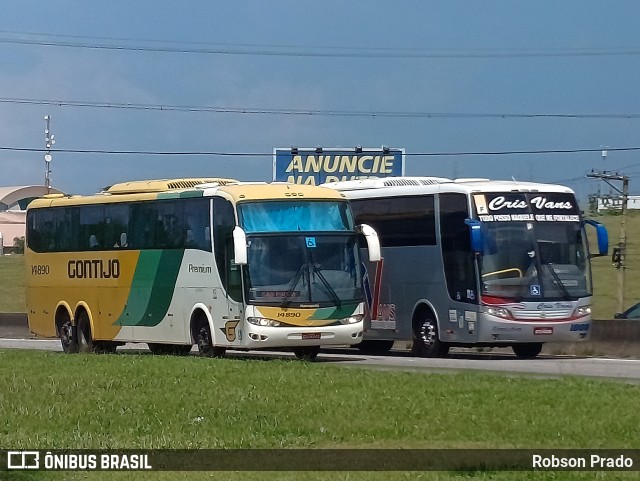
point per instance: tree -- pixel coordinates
(18, 245)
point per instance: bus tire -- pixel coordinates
(306, 353)
(375, 346)
(204, 340)
(68, 334)
(426, 342)
(527, 350)
(85, 339)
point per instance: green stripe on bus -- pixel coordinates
(152, 288)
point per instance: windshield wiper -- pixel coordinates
(563, 288)
(332, 293)
(287, 297)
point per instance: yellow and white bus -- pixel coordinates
(212, 262)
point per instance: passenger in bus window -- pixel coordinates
(173, 231)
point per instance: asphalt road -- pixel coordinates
(506, 363)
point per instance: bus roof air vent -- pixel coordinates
(189, 183)
(433, 180)
(413, 181)
(140, 186)
(400, 182)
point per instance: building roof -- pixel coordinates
(10, 196)
(12, 222)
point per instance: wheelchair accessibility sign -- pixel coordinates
(311, 241)
(534, 290)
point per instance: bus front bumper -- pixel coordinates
(260, 337)
(504, 331)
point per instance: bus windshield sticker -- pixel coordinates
(526, 207)
(534, 290)
(481, 204)
(311, 241)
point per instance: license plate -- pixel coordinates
(310, 335)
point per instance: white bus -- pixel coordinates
(474, 262)
(213, 262)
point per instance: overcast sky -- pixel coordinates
(427, 76)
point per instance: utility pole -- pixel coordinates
(619, 253)
(48, 141)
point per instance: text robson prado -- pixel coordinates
(592, 462)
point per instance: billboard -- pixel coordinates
(316, 165)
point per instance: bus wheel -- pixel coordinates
(204, 341)
(527, 350)
(85, 340)
(68, 335)
(425, 338)
(375, 346)
(306, 353)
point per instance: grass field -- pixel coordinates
(12, 296)
(142, 401)
(606, 275)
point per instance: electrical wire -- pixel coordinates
(309, 112)
(313, 51)
(263, 154)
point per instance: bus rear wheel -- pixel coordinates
(85, 339)
(425, 338)
(204, 340)
(527, 350)
(306, 353)
(68, 335)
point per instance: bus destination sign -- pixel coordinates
(529, 207)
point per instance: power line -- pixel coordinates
(309, 112)
(319, 51)
(269, 154)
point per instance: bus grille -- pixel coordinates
(536, 315)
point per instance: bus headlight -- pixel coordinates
(582, 311)
(263, 321)
(352, 319)
(498, 312)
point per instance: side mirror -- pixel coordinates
(475, 232)
(617, 315)
(239, 246)
(373, 242)
(602, 235)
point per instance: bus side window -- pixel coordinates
(224, 222)
(92, 226)
(93, 242)
(207, 238)
(456, 248)
(116, 225)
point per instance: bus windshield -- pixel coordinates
(529, 261)
(295, 216)
(301, 270)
